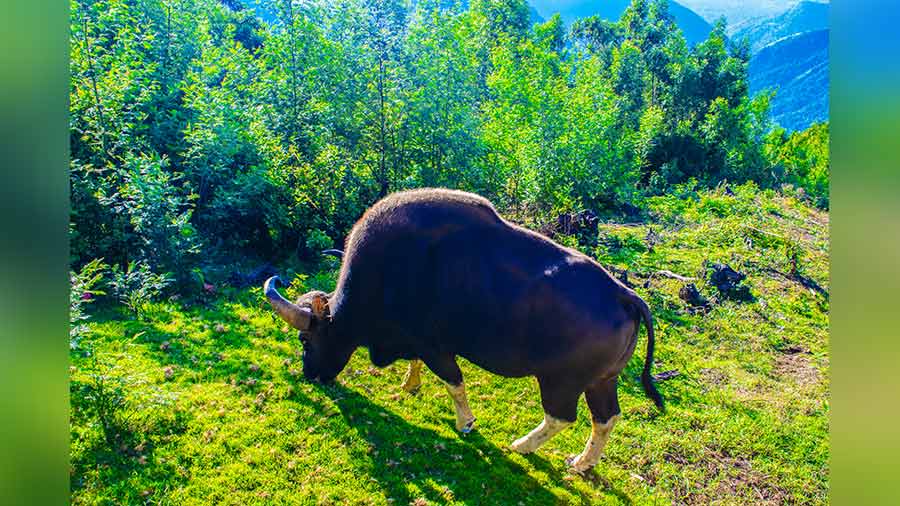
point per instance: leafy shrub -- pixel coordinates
(317, 241)
(82, 291)
(802, 159)
(158, 211)
(137, 286)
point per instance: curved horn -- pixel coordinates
(296, 316)
(334, 252)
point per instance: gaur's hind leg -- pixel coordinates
(560, 403)
(603, 401)
(413, 379)
(446, 368)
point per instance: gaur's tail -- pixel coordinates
(646, 377)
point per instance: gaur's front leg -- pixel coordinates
(413, 379)
(447, 369)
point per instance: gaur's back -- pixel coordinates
(407, 227)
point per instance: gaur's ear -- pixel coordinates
(319, 305)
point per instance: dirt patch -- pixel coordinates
(741, 480)
(713, 378)
(797, 366)
(736, 480)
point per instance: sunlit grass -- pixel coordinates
(220, 414)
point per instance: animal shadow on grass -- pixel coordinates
(467, 468)
(593, 477)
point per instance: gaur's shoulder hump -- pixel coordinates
(437, 195)
(433, 197)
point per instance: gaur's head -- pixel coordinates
(322, 358)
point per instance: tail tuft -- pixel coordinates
(651, 391)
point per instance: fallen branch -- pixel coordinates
(665, 375)
(804, 281)
(672, 275)
(627, 225)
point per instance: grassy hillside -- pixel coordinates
(204, 402)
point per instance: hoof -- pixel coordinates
(467, 428)
(575, 467)
(521, 446)
(411, 389)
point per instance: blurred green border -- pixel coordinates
(865, 93)
(34, 201)
(865, 257)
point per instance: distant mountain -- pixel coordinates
(796, 67)
(803, 17)
(694, 27)
(736, 11)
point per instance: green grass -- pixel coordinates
(223, 416)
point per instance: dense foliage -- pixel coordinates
(201, 131)
(802, 158)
